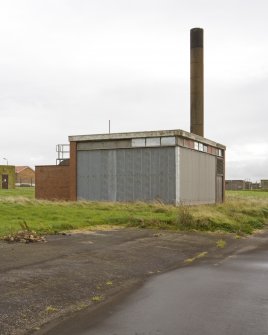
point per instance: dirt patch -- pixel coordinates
(40, 282)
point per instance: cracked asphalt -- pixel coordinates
(44, 284)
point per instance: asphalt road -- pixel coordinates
(229, 297)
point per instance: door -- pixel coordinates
(219, 189)
(5, 181)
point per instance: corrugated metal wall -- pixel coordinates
(127, 174)
(197, 177)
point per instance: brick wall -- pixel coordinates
(52, 182)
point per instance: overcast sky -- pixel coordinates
(68, 66)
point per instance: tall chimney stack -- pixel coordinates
(197, 82)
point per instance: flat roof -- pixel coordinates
(145, 134)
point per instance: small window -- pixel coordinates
(196, 145)
(153, 142)
(205, 148)
(168, 141)
(220, 152)
(200, 146)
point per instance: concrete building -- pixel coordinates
(256, 186)
(7, 176)
(172, 166)
(264, 184)
(237, 185)
(25, 176)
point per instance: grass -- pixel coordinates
(27, 192)
(242, 213)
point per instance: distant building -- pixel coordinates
(7, 177)
(237, 185)
(25, 176)
(255, 186)
(248, 185)
(264, 184)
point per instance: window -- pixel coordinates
(168, 141)
(138, 142)
(153, 142)
(196, 145)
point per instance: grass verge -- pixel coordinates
(242, 213)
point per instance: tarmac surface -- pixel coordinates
(74, 283)
(226, 298)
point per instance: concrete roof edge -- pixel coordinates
(144, 134)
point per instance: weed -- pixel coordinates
(189, 260)
(51, 309)
(97, 298)
(238, 237)
(24, 226)
(109, 283)
(185, 217)
(220, 244)
(200, 255)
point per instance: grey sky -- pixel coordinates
(68, 66)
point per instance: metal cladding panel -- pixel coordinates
(139, 174)
(84, 179)
(137, 186)
(145, 174)
(111, 175)
(120, 170)
(155, 175)
(128, 176)
(197, 173)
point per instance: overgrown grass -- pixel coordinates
(242, 213)
(27, 192)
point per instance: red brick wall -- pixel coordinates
(52, 182)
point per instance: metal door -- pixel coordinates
(5, 181)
